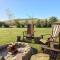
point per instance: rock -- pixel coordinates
(24, 51)
(40, 56)
(2, 58)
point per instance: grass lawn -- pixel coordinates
(8, 35)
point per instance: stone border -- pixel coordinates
(24, 55)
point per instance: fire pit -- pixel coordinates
(17, 51)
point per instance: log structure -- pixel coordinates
(29, 33)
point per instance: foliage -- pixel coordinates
(52, 20)
(1, 24)
(22, 25)
(17, 24)
(38, 24)
(6, 25)
(46, 23)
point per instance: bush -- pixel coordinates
(1, 24)
(6, 25)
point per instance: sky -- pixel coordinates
(29, 8)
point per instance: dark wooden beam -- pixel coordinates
(59, 40)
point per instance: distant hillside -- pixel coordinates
(23, 22)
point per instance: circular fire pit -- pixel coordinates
(18, 51)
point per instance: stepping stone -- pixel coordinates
(18, 57)
(40, 56)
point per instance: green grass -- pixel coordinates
(8, 35)
(43, 31)
(36, 46)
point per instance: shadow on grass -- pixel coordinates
(34, 51)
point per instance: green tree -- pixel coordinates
(53, 19)
(22, 25)
(1, 24)
(45, 24)
(26, 21)
(38, 23)
(6, 25)
(17, 24)
(42, 22)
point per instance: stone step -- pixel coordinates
(40, 56)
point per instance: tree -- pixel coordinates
(6, 25)
(26, 22)
(22, 25)
(1, 24)
(46, 23)
(38, 24)
(42, 22)
(17, 24)
(52, 19)
(9, 14)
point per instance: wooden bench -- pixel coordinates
(51, 51)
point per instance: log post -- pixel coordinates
(18, 38)
(59, 40)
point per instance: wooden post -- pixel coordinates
(51, 42)
(23, 36)
(41, 36)
(30, 30)
(18, 38)
(59, 40)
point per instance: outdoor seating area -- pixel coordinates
(53, 48)
(29, 29)
(21, 49)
